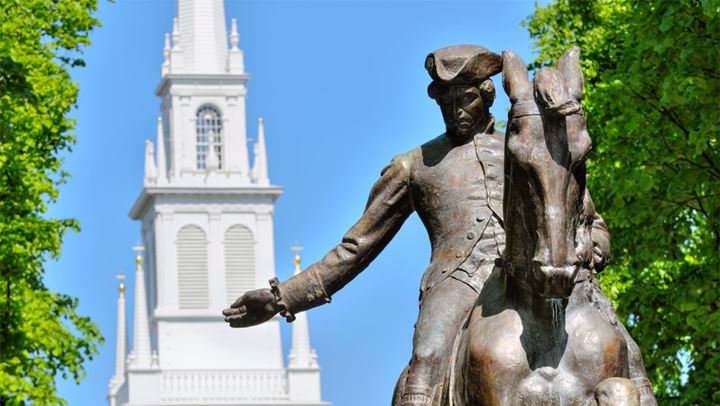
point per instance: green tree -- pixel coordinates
(41, 335)
(652, 100)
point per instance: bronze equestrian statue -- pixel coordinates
(455, 183)
(541, 333)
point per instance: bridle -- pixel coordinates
(526, 108)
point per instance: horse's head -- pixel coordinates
(546, 146)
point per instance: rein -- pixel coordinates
(530, 108)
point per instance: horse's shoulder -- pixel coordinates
(495, 324)
(589, 330)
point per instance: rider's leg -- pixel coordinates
(442, 309)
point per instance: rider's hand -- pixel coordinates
(252, 308)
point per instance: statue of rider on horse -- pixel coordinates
(511, 312)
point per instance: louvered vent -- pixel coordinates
(239, 261)
(192, 268)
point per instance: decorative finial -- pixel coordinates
(297, 248)
(234, 36)
(121, 278)
(154, 360)
(166, 48)
(175, 34)
(165, 68)
(139, 249)
(260, 170)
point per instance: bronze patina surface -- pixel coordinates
(455, 183)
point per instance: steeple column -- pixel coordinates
(236, 135)
(185, 135)
(161, 162)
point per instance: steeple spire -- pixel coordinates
(301, 355)
(260, 165)
(141, 355)
(203, 36)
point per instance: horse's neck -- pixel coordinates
(518, 241)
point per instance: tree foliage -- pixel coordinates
(41, 335)
(652, 100)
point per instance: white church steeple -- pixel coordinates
(207, 229)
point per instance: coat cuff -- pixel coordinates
(299, 293)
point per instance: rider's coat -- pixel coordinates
(456, 191)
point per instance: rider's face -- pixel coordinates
(462, 109)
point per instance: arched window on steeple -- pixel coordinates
(208, 131)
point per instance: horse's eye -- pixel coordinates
(513, 127)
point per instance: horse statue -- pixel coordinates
(538, 334)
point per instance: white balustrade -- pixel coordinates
(223, 386)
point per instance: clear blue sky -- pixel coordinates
(342, 89)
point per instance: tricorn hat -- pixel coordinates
(461, 64)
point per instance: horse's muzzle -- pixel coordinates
(553, 282)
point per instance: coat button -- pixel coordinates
(458, 254)
(470, 235)
(445, 270)
(479, 218)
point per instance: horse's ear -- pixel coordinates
(515, 76)
(569, 66)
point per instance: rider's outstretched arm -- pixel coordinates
(389, 205)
